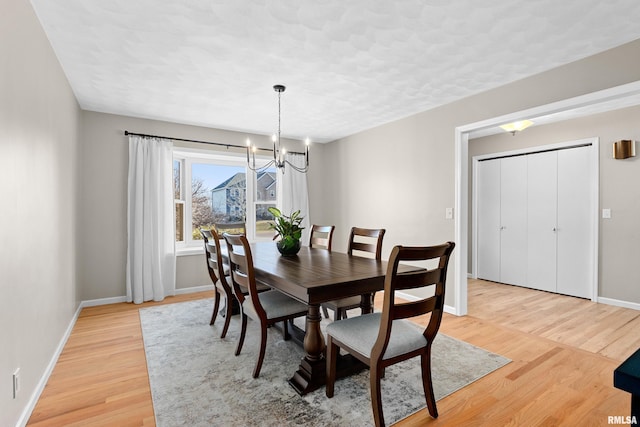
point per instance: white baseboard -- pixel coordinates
(619, 303)
(447, 308)
(116, 300)
(194, 289)
(450, 309)
(408, 297)
(33, 400)
(102, 301)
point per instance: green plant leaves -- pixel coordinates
(286, 227)
(274, 211)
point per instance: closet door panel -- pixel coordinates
(542, 199)
(488, 215)
(575, 231)
(513, 212)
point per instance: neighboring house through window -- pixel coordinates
(210, 188)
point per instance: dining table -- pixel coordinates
(315, 276)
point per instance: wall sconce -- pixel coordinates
(624, 149)
(516, 126)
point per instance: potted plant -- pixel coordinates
(288, 229)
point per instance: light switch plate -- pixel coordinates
(606, 213)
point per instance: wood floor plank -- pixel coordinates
(533, 364)
(563, 353)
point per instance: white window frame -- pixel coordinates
(187, 157)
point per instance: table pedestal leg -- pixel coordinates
(366, 303)
(311, 373)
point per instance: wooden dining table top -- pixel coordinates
(315, 276)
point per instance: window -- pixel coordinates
(212, 188)
(265, 197)
(179, 200)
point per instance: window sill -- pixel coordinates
(189, 251)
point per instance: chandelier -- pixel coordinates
(279, 151)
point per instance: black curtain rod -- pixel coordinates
(227, 146)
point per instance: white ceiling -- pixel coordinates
(348, 65)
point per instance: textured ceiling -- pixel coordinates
(348, 65)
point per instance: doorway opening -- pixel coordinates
(601, 101)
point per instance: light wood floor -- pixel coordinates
(564, 351)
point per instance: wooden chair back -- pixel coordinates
(394, 281)
(362, 240)
(321, 236)
(230, 227)
(213, 254)
(217, 271)
(242, 273)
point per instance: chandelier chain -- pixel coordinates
(279, 160)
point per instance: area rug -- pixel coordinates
(197, 381)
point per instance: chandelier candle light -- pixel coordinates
(279, 151)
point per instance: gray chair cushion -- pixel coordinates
(261, 287)
(275, 304)
(345, 302)
(361, 333)
(219, 285)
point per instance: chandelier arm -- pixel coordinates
(261, 168)
(297, 168)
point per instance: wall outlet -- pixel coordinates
(16, 383)
(448, 213)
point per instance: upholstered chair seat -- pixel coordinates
(275, 304)
(361, 333)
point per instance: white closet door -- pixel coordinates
(513, 212)
(542, 200)
(488, 216)
(575, 231)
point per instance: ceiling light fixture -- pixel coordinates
(279, 151)
(516, 126)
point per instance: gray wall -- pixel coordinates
(103, 196)
(401, 175)
(619, 244)
(39, 120)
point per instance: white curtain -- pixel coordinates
(293, 191)
(151, 255)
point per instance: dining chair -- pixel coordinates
(267, 308)
(321, 236)
(383, 339)
(230, 227)
(362, 242)
(219, 275)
